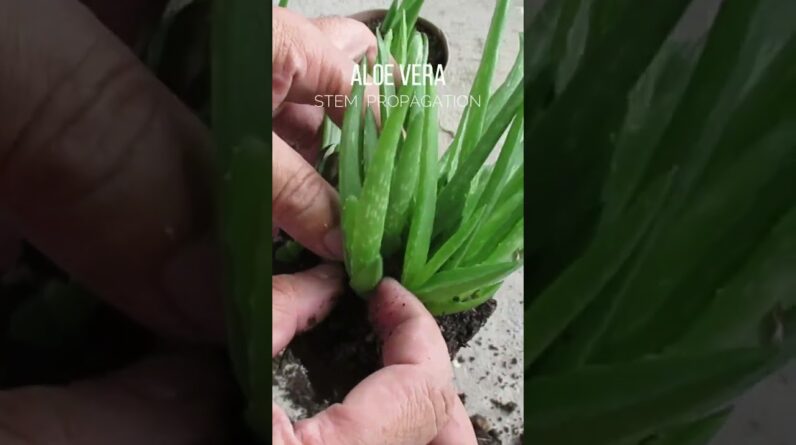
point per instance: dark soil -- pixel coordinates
(322, 365)
(484, 433)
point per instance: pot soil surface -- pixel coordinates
(323, 364)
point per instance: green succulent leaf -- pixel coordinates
(609, 403)
(422, 222)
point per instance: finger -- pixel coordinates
(350, 36)
(410, 334)
(308, 69)
(301, 300)
(304, 205)
(299, 124)
(459, 430)
(161, 401)
(408, 402)
(104, 171)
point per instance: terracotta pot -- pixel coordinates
(438, 43)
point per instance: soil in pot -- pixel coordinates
(322, 365)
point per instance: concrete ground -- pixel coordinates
(763, 417)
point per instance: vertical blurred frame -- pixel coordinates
(241, 110)
(661, 201)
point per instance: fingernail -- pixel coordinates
(333, 241)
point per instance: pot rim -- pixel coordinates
(423, 25)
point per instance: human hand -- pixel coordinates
(411, 401)
(104, 171)
(310, 58)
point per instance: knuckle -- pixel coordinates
(336, 425)
(288, 52)
(81, 129)
(297, 195)
(441, 403)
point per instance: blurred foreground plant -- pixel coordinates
(662, 184)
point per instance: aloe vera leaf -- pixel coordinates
(370, 139)
(651, 107)
(458, 304)
(400, 43)
(571, 38)
(564, 179)
(327, 164)
(415, 51)
(347, 220)
(372, 208)
(542, 35)
(698, 432)
(482, 83)
(450, 283)
(330, 133)
(491, 229)
(422, 219)
(386, 89)
(479, 93)
(585, 335)
(601, 404)
(560, 303)
(350, 143)
(239, 101)
(738, 49)
(404, 185)
(492, 181)
(246, 233)
(747, 123)
(389, 18)
(741, 78)
(476, 189)
(508, 247)
(508, 210)
(510, 152)
(651, 102)
(405, 176)
(412, 9)
(488, 199)
(746, 201)
(288, 252)
(452, 197)
(741, 305)
(448, 248)
(450, 159)
(499, 97)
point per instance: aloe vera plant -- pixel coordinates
(401, 214)
(662, 185)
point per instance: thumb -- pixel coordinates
(161, 401)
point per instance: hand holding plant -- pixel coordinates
(304, 205)
(410, 401)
